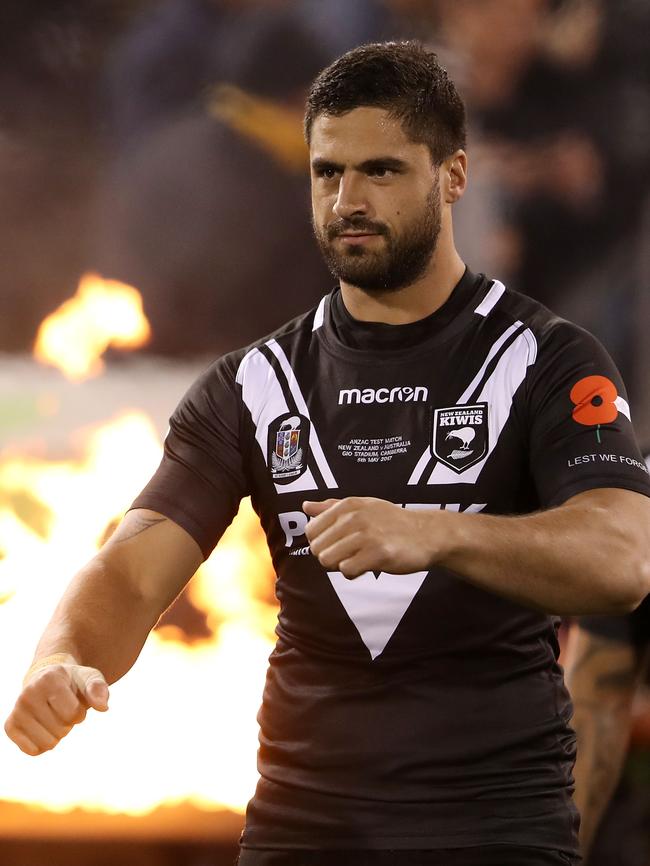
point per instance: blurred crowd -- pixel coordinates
(159, 142)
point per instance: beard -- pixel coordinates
(401, 260)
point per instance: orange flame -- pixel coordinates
(102, 313)
(181, 727)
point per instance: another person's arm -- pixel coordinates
(100, 626)
(602, 674)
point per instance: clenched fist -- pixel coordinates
(360, 534)
(55, 697)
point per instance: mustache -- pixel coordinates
(358, 224)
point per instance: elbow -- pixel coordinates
(631, 582)
(642, 572)
(616, 550)
(640, 567)
(625, 567)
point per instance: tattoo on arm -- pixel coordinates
(138, 525)
(602, 742)
(602, 676)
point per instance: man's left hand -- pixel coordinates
(360, 534)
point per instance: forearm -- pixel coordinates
(602, 677)
(101, 620)
(566, 560)
(602, 730)
(100, 626)
(591, 555)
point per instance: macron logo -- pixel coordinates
(383, 395)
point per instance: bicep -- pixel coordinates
(610, 527)
(627, 505)
(202, 477)
(621, 512)
(155, 555)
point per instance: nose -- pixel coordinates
(350, 200)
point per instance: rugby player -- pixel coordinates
(441, 466)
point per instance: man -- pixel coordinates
(414, 710)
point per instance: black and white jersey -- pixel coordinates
(404, 711)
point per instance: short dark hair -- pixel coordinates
(403, 78)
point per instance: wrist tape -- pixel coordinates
(54, 659)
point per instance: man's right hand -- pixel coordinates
(106, 613)
(55, 698)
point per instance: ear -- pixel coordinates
(454, 173)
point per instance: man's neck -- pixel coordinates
(411, 303)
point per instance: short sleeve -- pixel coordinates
(201, 479)
(580, 432)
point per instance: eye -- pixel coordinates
(327, 172)
(381, 171)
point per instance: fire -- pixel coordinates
(181, 725)
(102, 313)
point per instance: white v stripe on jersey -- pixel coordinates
(296, 393)
(420, 466)
(491, 299)
(464, 397)
(263, 396)
(498, 392)
(376, 605)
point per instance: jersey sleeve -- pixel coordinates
(201, 478)
(580, 432)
